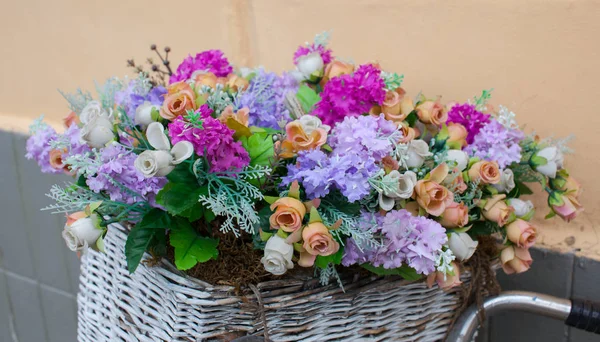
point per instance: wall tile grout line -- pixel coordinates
(11, 314)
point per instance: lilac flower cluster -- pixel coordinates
(351, 95)
(38, 146)
(467, 115)
(406, 239)
(118, 177)
(265, 98)
(214, 141)
(368, 135)
(494, 142)
(304, 50)
(320, 173)
(211, 60)
(131, 97)
(72, 136)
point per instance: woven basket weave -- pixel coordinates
(161, 304)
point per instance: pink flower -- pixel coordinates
(521, 233)
(212, 60)
(317, 241)
(445, 281)
(515, 259)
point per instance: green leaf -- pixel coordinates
(155, 219)
(412, 118)
(307, 97)
(324, 261)
(182, 174)
(520, 189)
(191, 248)
(194, 213)
(178, 198)
(138, 241)
(81, 181)
(259, 147)
(404, 271)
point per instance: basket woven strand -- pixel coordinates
(161, 304)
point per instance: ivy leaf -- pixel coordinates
(178, 198)
(260, 148)
(404, 271)
(323, 261)
(307, 97)
(191, 248)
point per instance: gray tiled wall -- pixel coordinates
(38, 274)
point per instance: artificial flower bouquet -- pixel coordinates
(328, 165)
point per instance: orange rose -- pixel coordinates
(72, 118)
(497, 210)
(317, 241)
(235, 82)
(521, 233)
(457, 182)
(288, 215)
(445, 281)
(335, 69)
(456, 215)
(515, 259)
(297, 140)
(408, 133)
(485, 172)
(433, 197)
(457, 135)
(431, 112)
(240, 116)
(205, 79)
(179, 99)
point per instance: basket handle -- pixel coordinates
(584, 315)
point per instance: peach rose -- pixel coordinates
(413, 208)
(72, 118)
(240, 116)
(56, 161)
(389, 164)
(288, 215)
(179, 99)
(317, 241)
(445, 281)
(497, 210)
(485, 172)
(408, 133)
(433, 197)
(457, 135)
(566, 206)
(235, 82)
(456, 215)
(521, 233)
(335, 69)
(205, 79)
(431, 112)
(75, 216)
(456, 182)
(515, 259)
(297, 140)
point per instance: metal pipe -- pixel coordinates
(536, 303)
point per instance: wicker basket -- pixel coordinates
(162, 304)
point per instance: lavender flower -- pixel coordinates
(495, 142)
(405, 239)
(134, 95)
(38, 145)
(265, 98)
(366, 135)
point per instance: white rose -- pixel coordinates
(417, 151)
(278, 256)
(143, 114)
(308, 64)
(82, 233)
(310, 123)
(461, 158)
(554, 161)
(507, 181)
(406, 184)
(462, 246)
(161, 161)
(522, 208)
(98, 127)
(154, 163)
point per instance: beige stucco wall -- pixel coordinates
(541, 57)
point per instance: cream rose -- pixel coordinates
(160, 162)
(310, 123)
(462, 246)
(417, 151)
(82, 233)
(143, 114)
(309, 64)
(278, 256)
(522, 208)
(98, 128)
(507, 181)
(553, 160)
(460, 158)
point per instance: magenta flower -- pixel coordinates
(467, 115)
(214, 141)
(212, 61)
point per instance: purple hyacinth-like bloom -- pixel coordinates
(75, 145)
(211, 61)
(467, 115)
(368, 135)
(303, 50)
(351, 95)
(494, 142)
(265, 99)
(405, 239)
(130, 98)
(319, 173)
(214, 141)
(38, 146)
(118, 177)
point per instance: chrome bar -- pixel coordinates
(549, 306)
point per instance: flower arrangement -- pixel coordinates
(328, 165)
